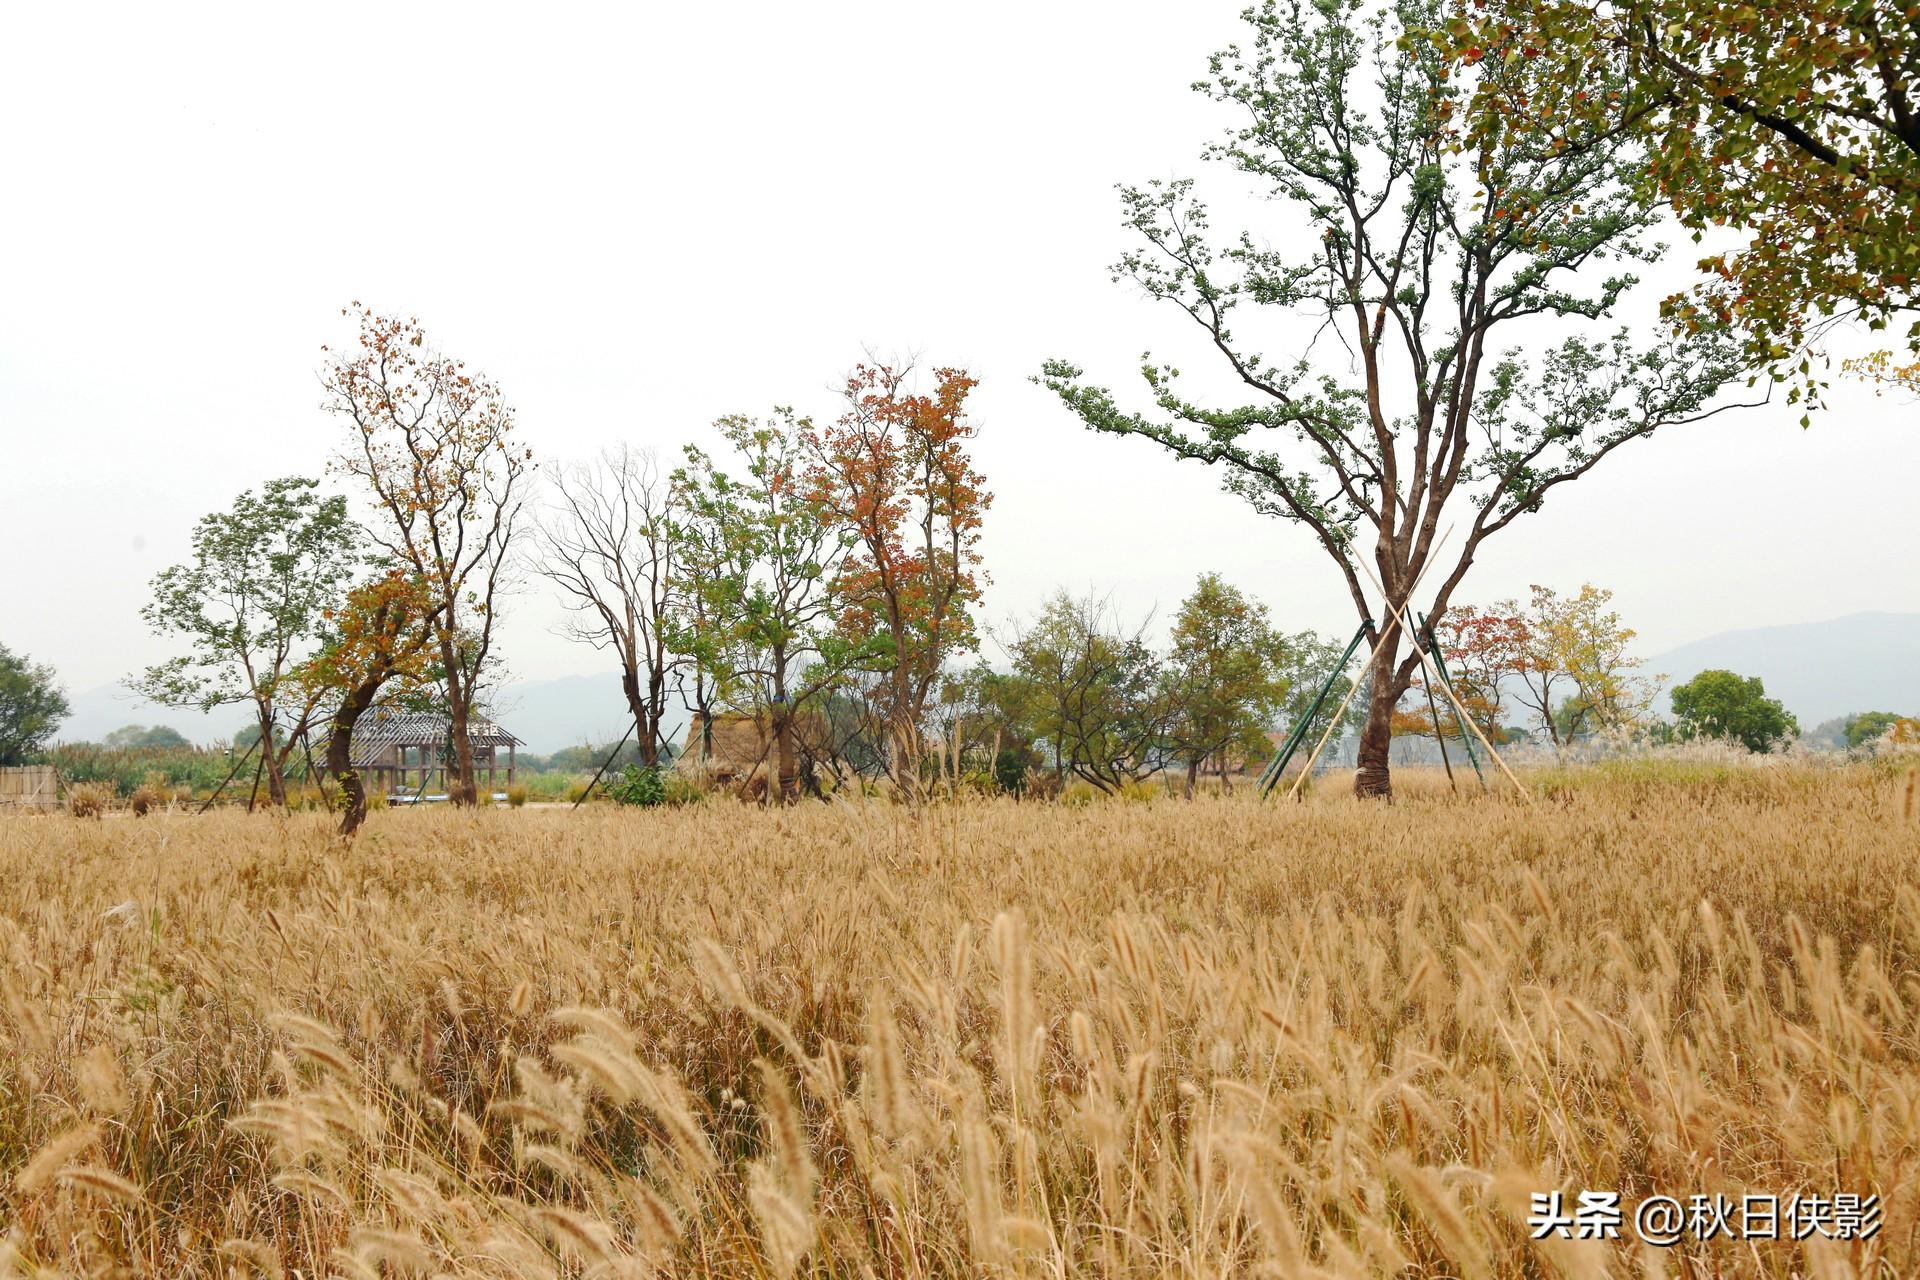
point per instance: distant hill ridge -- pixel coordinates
(1819, 670)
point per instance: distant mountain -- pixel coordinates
(550, 715)
(1819, 670)
(547, 715)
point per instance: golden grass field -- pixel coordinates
(1184, 1039)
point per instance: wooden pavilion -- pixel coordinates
(407, 752)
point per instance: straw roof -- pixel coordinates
(741, 747)
(384, 729)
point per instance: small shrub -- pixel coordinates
(517, 794)
(90, 799)
(575, 791)
(643, 787)
(680, 789)
(1010, 771)
(145, 799)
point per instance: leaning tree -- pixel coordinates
(381, 641)
(1408, 258)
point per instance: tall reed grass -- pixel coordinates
(1192, 1039)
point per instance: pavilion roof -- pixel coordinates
(383, 729)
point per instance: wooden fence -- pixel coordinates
(32, 786)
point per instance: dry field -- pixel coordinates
(1186, 1039)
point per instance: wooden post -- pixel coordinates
(238, 765)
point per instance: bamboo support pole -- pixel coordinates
(1371, 655)
(1427, 667)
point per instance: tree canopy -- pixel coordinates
(32, 706)
(1868, 726)
(435, 446)
(1226, 678)
(1722, 704)
(1797, 124)
(144, 736)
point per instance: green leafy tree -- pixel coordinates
(1721, 704)
(137, 737)
(768, 575)
(32, 706)
(1798, 124)
(990, 715)
(1225, 678)
(250, 605)
(1406, 257)
(1870, 726)
(1093, 688)
(1310, 666)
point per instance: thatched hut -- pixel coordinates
(406, 752)
(736, 749)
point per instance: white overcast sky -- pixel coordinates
(638, 219)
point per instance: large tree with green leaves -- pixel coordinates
(31, 706)
(1798, 124)
(1724, 704)
(249, 605)
(1411, 256)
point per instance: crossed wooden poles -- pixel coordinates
(1395, 619)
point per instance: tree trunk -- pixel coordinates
(906, 745)
(1193, 774)
(460, 786)
(783, 780)
(643, 723)
(340, 760)
(276, 779)
(1374, 777)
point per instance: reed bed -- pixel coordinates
(1198, 1039)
